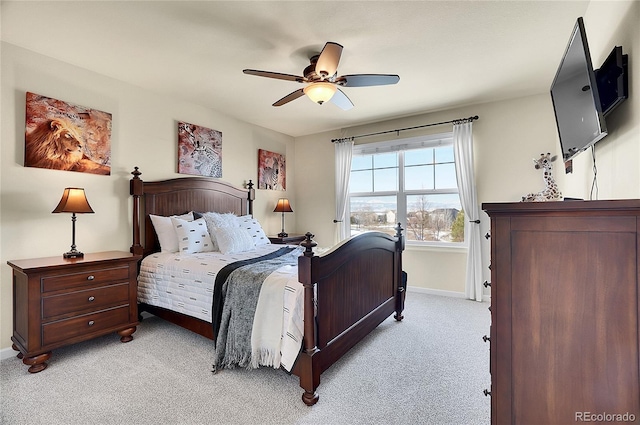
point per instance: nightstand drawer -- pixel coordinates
(80, 326)
(85, 301)
(92, 276)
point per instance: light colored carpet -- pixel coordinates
(430, 368)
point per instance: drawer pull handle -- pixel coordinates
(486, 284)
(91, 277)
(91, 322)
(487, 393)
(486, 338)
(91, 298)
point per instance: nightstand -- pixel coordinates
(287, 240)
(60, 301)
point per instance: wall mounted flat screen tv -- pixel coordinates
(576, 101)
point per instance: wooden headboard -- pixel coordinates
(180, 195)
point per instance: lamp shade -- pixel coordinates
(283, 206)
(73, 201)
(320, 92)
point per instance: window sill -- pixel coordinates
(439, 246)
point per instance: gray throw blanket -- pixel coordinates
(240, 294)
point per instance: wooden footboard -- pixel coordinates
(351, 290)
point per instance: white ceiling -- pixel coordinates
(447, 53)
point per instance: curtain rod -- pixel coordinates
(459, 120)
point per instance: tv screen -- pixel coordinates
(576, 101)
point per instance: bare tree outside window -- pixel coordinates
(427, 223)
(418, 219)
(441, 220)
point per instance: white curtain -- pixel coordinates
(463, 154)
(344, 153)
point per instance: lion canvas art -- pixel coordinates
(64, 136)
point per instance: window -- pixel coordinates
(409, 181)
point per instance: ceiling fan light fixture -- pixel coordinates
(320, 92)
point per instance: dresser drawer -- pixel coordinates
(85, 301)
(63, 330)
(90, 276)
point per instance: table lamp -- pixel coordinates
(75, 202)
(283, 206)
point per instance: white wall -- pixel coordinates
(315, 187)
(610, 24)
(144, 134)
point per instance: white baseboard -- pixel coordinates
(7, 353)
(435, 292)
(443, 293)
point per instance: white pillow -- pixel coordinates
(165, 231)
(215, 220)
(192, 236)
(233, 239)
(255, 229)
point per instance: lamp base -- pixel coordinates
(73, 254)
(283, 235)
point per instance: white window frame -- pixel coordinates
(427, 141)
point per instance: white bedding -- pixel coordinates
(184, 283)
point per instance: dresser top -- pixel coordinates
(58, 261)
(629, 206)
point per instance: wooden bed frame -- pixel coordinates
(348, 291)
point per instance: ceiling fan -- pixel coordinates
(322, 79)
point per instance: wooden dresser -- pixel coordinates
(58, 301)
(564, 331)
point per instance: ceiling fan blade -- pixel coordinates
(276, 75)
(288, 98)
(365, 80)
(327, 64)
(341, 100)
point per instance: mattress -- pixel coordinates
(184, 283)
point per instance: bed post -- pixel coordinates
(308, 367)
(136, 189)
(402, 276)
(251, 197)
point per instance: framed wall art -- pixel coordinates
(272, 170)
(199, 150)
(64, 136)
